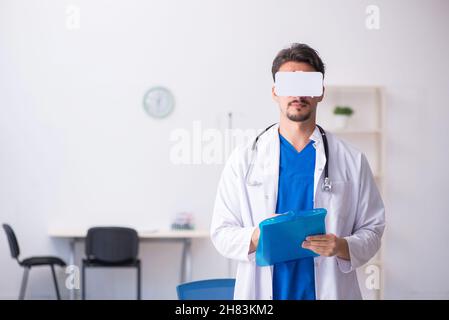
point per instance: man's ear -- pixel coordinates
(273, 94)
(322, 96)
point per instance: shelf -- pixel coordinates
(346, 88)
(356, 132)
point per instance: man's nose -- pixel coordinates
(300, 98)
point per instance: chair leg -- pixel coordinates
(58, 296)
(139, 289)
(23, 286)
(83, 282)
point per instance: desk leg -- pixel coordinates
(186, 262)
(72, 262)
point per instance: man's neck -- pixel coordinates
(297, 133)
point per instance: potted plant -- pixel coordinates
(341, 116)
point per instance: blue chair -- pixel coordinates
(213, 289)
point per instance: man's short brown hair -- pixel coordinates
(298, 52)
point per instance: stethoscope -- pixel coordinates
(326, 186)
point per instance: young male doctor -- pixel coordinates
(283, 169)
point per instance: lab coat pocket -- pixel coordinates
(340, 207)
(257, 199)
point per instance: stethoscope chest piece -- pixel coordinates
(327, 185)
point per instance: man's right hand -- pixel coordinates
(254, 240)
(255, 237)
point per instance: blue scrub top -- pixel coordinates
(295, 280)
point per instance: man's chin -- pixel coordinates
(297, 117)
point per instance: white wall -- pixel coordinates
(75, 142)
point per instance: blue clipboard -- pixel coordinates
(281, 236)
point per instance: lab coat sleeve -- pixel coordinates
(228, 233)
(369, 223)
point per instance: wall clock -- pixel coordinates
(158, 102)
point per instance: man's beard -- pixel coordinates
(299, 117)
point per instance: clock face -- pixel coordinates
(158, 102)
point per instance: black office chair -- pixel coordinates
(28, 263)
(111, 247)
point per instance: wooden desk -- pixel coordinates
(183, 236)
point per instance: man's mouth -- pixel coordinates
(297, 104)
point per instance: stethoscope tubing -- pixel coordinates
(327, 186)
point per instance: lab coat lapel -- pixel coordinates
(271, 168)
(320, 161)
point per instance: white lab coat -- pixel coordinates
(355, 212)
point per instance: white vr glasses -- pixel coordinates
(298, 84)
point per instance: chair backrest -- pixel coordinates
(12, 240)
(112, 244)
(213, 289)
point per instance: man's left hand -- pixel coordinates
(328, 245)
